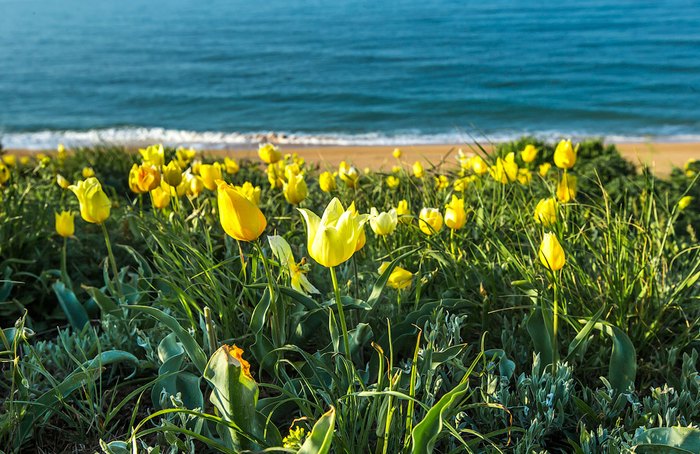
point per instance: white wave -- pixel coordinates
(135, 136)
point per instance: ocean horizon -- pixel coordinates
(227, 74)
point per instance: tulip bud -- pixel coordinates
(326, 182)
(348, 174)
(240, 218)
(160, 197)
(455, 215)
(396, 153)
(551, 253)
(153, 155)
(269, 153)
(399, 278)
(210, 173)
(529, 153)
(383, 223)
(430, 221)
(172, 173)
(231, 166)
(546, 211)
(94, 203)
(418, 170)
(295, 189)
(88, 172)
(685, 202)
(392, 182)
(65, 224)
(403, 212)
(62, 182)
(565, 155)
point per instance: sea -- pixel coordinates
(228, 73)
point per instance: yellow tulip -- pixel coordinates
(348, 174)
(399, 277)
(461, 184)
(160, 197)
(396, 153)
(395, 169)
(184, 156)
(529, 153)
(326, 182)
(455, 215)
(442, 182)
(566, 189)
(430, 220)
(479, 166)
(240, 218)
(392, 182)
(685, 202)
(383, 223)
(269, 153)
(195, 185)
(65, 224)
(297, 271)
(62, 182)
(546, 211)
(143, 178)
(418, 170)
(565, 154)
(10, 160)
(250, 192)
(276, 174)
(172, 173)
(153, 155)
(332, 239)
(4, 173)
(24, 160)
(231, 166)
(506, 170)
(61, 153)
(210, 173)
(94, 203)
(196, 164)
(88, 172)
(295, 190)
(524, 176)
(544, 169)
(403, 212)
(551, 253)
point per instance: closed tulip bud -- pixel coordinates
(551, 253)
(348, 174)
(326, 182)
(430, 220)
(62, 182)
(94, 203)
(269, 153)
(396, 153)
(455, 214)
(231, 166)
(418, 170)
(160, 197)
(565, 155)
(399, 278)
(9, 160)
(479, 166)
(506, 170)
(383, 223)
(392, 182)
(685, 202)
(332, 239)
(4, 173)
(529, 153)
(210, 173)
(88, 172)
(566, 189)
(240, 218)
(172, 174)
(544, 169)
(295, 189)
(546, 211)
(153, 155)
(403, 212)
(65, 225)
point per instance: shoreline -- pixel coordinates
(661, 157)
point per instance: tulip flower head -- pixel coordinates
(326, 182)
(479, 166)
(399, 278)
(383, 223)
(65, 224)
(546, 211)
(94, 203)
(184, 156)
(565, 154)
(210, 173)
(430, 221)
(418, 170)
(231, 166)
(685, 202)
(276, 174)
(143, 178)
(9, 160)
(153, 155)
(240, 218)
(544, 169)
(295, 190)
(392, 182)
(506, 170)
(397, 153)
(529, 154)
(551, 253)
(348, 174)
(455, 214)
(160, 197)
(442, 182)
(88, 172)
(62, 181)
(269, 153)
(172, 173)
(297, 271)
(332, 239)
(250, 192)
(403, 212)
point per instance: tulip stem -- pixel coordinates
(112, 261)
(64, 261)
(341, 313)
(555, 323)
(277, 317)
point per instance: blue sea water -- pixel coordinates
(217, 72)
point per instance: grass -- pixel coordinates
(462, 359)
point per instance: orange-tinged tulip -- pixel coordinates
(240, 218)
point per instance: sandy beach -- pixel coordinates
(661, 157)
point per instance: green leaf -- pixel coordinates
(105, 303)
(425, 433)
(623, 360)
(539, 333)
(319, 442)
(75, 312)
(668, 439)
(584, 332)
(194, 351)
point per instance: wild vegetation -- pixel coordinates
(540, 298)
